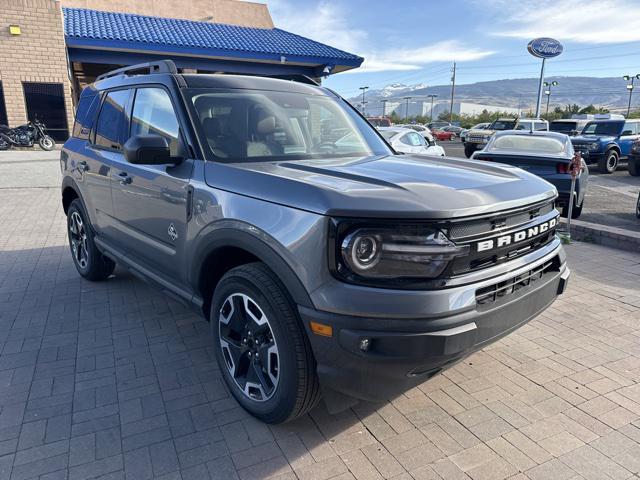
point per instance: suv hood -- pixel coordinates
(394, 186)
(484, 132)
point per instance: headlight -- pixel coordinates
(382, 255)
(594, 146)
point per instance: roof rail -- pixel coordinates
(161, 66)
(296, 78)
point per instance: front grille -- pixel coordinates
(497, 291)
(489, 226)
(503, 238)
(476, 138)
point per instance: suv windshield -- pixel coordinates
(563, 127)
(502, 125)
(258, 125)
(603, 128)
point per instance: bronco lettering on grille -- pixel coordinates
(526, 234)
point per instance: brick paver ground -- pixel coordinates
(114, 380)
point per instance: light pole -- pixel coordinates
(547, 92)
(431, 96)
(364, 89)
(384, 107)
(406, 110)
(630, 88)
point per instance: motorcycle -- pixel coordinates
(26, 136)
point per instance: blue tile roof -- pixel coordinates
(84, 26)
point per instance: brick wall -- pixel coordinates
(234, 12)
(37, 55)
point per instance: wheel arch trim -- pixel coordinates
(238, 236)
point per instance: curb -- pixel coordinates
(614, 237)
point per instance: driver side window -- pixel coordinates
(630, 128)
(153, 114)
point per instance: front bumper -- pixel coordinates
(376, 359)
(590, 156)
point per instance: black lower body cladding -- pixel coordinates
(375, 359)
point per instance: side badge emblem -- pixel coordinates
(173, 233)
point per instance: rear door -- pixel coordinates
(150, 201)
(101, 152)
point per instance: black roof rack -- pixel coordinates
(161, 66)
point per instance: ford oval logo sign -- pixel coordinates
(544, 48)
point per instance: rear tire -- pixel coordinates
(575, 213)
(255, 326)
(89, 261)
(634, 167)
(4, 145)
(609, 163)
(468, 150)
(638, 207)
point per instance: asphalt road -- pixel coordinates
(611, 199)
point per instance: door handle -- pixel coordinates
(125, 179)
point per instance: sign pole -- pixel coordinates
(539, 99)
(543, 48)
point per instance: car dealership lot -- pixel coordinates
(114, 378)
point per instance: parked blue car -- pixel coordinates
(545, 154)
(607, 141)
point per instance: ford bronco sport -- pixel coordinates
(324, 261)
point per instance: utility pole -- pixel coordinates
(384, 107)
(406, 110)
(431, 96)
(547, 92)
(630, 88)
(453, 90)
(364, 89)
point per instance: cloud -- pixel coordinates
(583, 21)
(329, 23)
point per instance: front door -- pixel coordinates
(628, 136)
(150, 201)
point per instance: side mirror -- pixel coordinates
(148, 150)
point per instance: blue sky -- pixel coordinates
(414, 41)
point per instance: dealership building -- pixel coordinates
(51, 49)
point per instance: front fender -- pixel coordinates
(233, 233)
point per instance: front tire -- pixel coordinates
(4, 145)
(46, 143)
(89, 261)
(609, 163)
(638, 207)
(634, 167)
(261, 348)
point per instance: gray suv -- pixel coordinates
(325, 262)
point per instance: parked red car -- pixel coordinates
(443, 135)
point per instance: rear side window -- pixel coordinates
(111, 120)
(153, 114)
(85, 114)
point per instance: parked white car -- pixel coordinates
(407, 140)
(422, 130)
